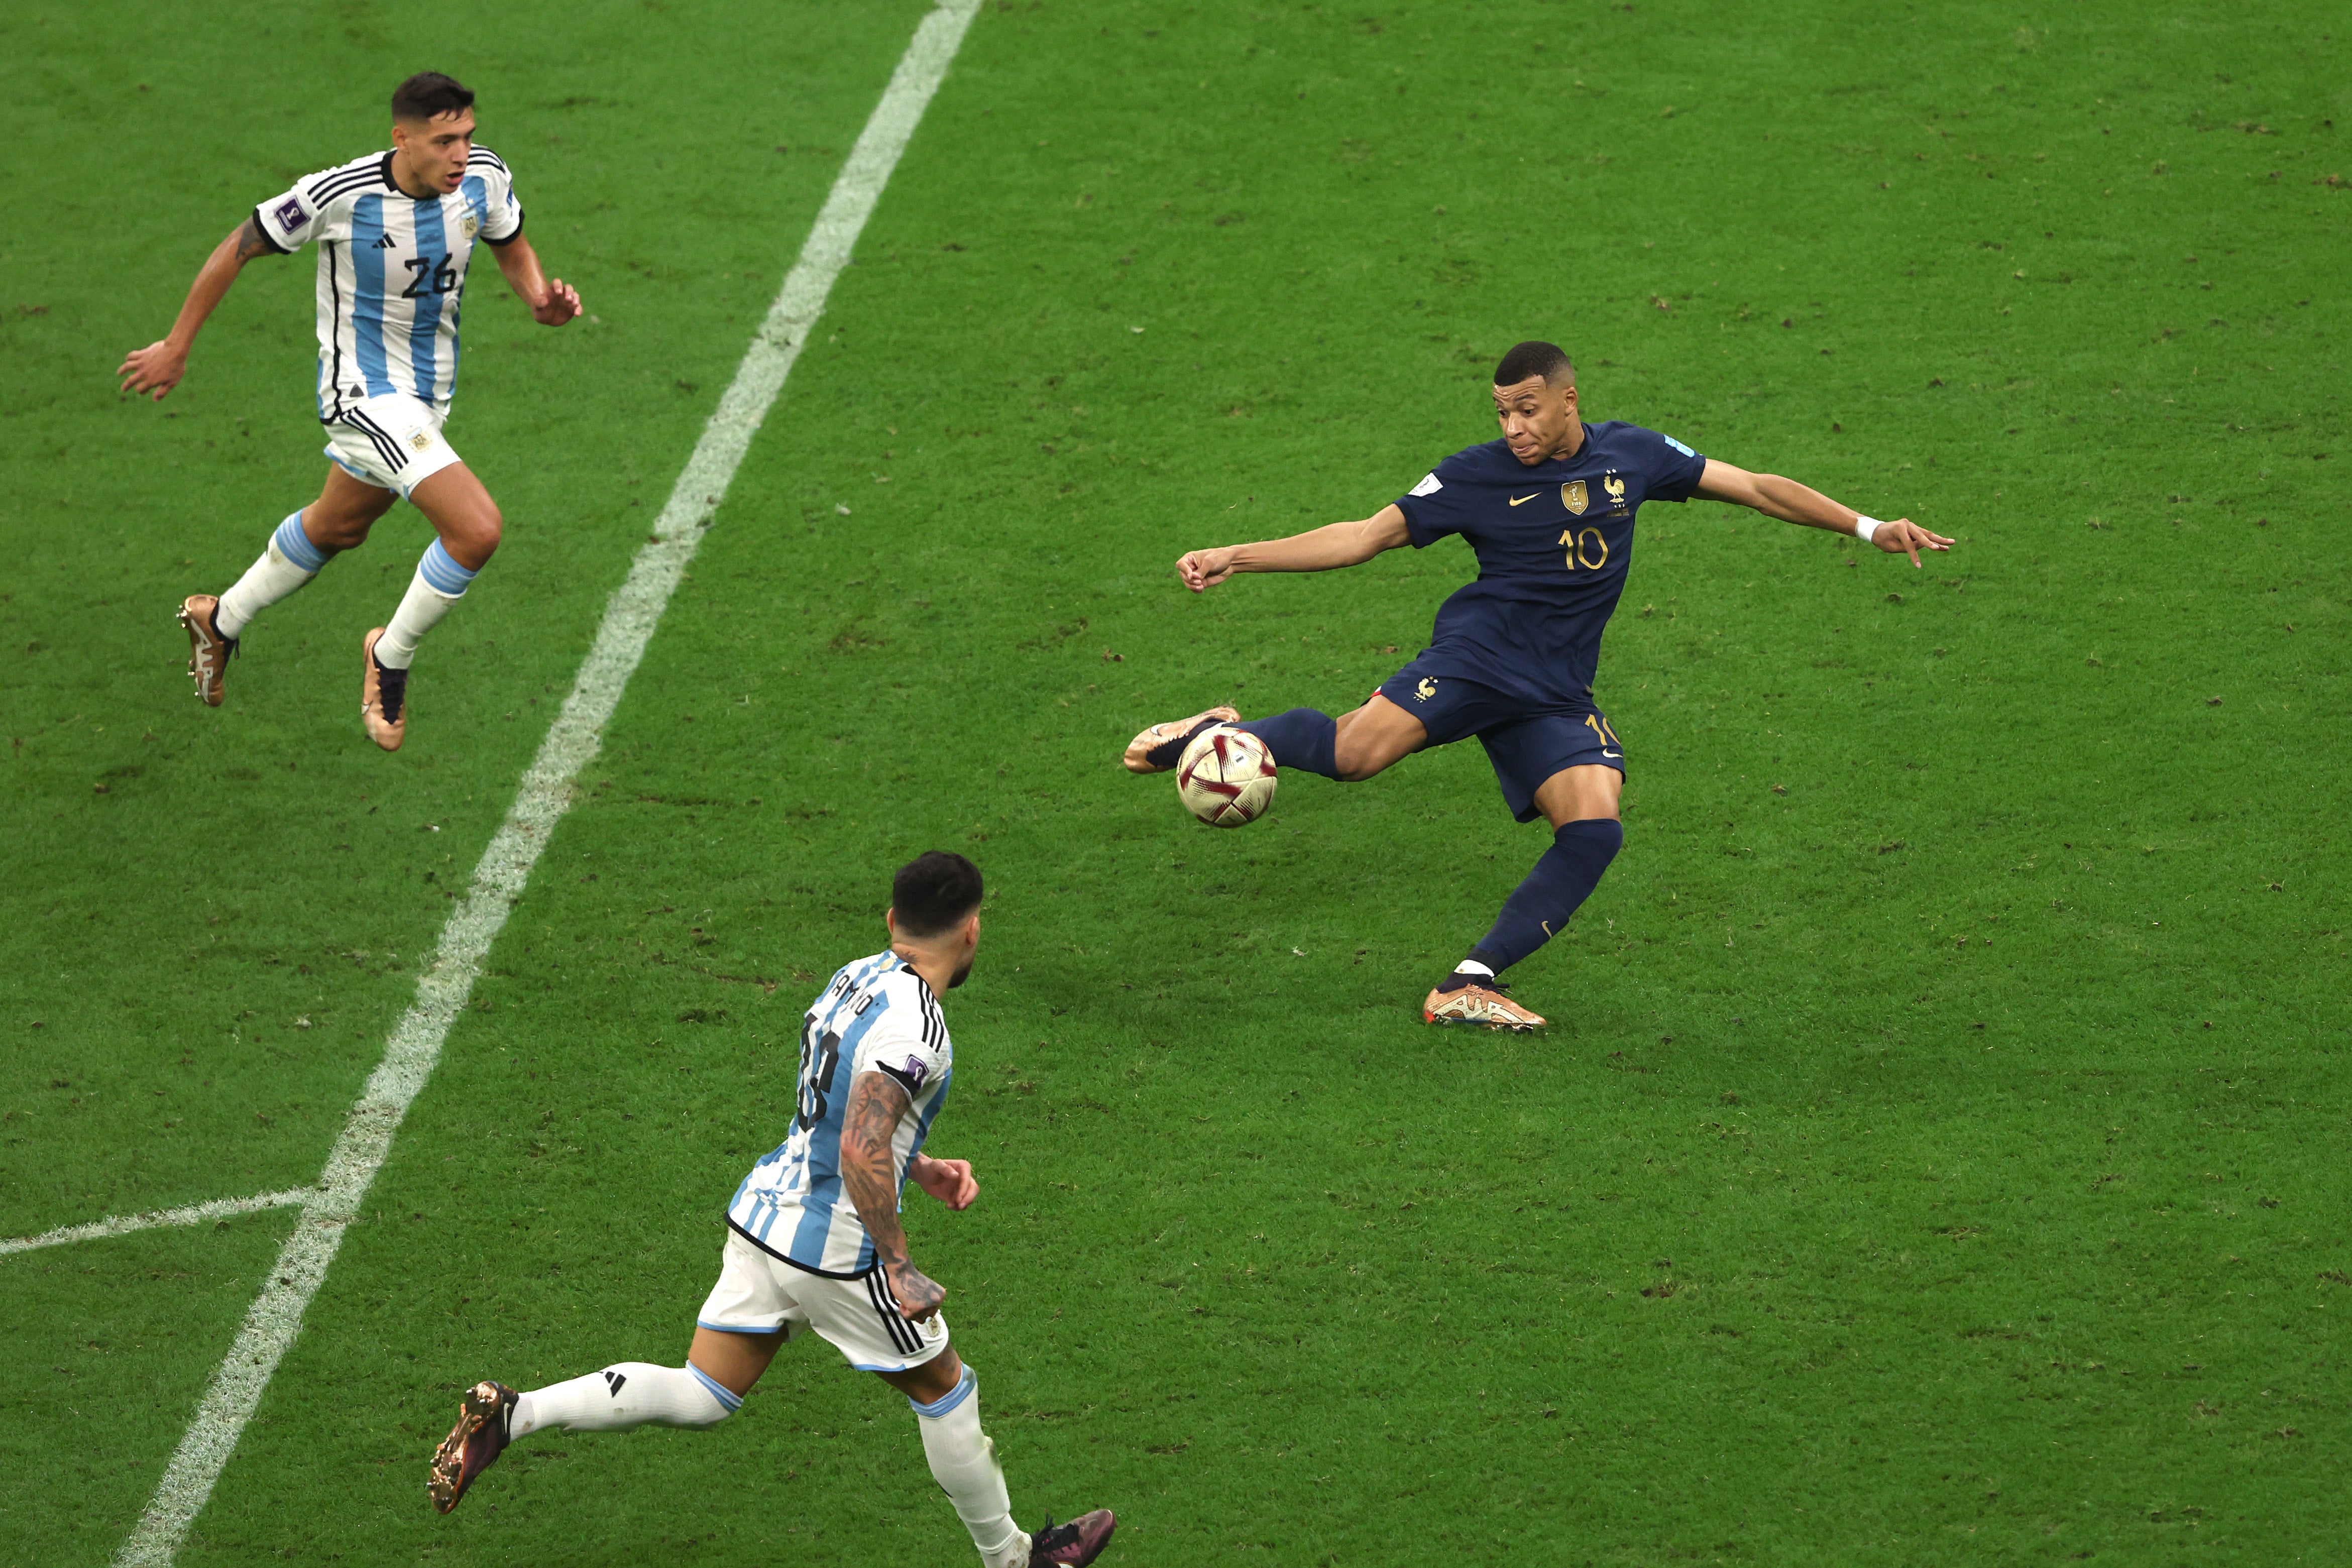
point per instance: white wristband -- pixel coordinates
(1863, 527)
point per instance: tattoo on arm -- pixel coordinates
(869, 1122)
(251, 242)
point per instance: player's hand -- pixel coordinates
(562, 304)
(950, 1181)
(919, 1295)
(1206, 568)
(1904, 537)
(153, 369)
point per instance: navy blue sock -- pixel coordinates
(1304, 737)
(1537, 910)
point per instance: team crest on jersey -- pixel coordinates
(422, 441)
(470, 224)
(1572, 496)
(1616, 488)
(1426, 690)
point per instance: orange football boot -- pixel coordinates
(1483, 1003)
(383, 697)
(1169, 740)
(209, 651)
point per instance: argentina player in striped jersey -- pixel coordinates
(814, 1243)
(396, 233)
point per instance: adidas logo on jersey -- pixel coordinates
(613, 1382)
(382, 242)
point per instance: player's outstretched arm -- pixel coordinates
(1317, 550)
(552, 302)
(158, 367)
(869, 1172)
(1801, 504)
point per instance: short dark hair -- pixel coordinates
(1549, 360)
(934, 893)
(429, 94)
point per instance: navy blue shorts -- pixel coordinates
(1526, 745)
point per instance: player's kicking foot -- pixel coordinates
(209, 651)
(478, 1438)
(1074, 1545)
(1155, 750)
(383, 697)
(1484, 1003)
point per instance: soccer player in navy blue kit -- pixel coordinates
(1549, 509)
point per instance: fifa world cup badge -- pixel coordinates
(1572, 496)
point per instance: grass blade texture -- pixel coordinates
(1936, 1155)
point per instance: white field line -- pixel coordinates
(124, 1225)
(629, 620)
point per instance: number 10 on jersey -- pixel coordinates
(1592, 556)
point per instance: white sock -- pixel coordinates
(439, 583)
(963, 1462)
(627, 1393)
(290, 561)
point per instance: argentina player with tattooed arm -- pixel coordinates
(814, 1242)
(1548, 510)
(396, 233)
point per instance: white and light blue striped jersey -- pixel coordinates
(392, 269)
(877, 1016)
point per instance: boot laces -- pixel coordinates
(391, 691)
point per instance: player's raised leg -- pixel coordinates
(299, 548)
(466, 524)
(1350, 748)
(618, 1397)
(1580, 804)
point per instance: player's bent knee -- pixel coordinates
(473, 542)
(338, 534)
(1355, 763)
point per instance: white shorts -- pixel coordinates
(758, 1293)
(392, 442)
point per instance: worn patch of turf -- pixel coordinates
(1932, 1159)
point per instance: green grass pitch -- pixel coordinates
(1938, 1155)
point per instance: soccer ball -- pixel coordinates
(1225, 776)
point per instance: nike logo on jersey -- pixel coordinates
(382, 242)
(1516, 501)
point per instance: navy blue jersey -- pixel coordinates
(1553, 543)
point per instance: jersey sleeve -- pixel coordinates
(1431, 510)
(291, 221)
(504, 220)
(1677, 472)
(908, 1042)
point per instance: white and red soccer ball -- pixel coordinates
(1225, 776)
